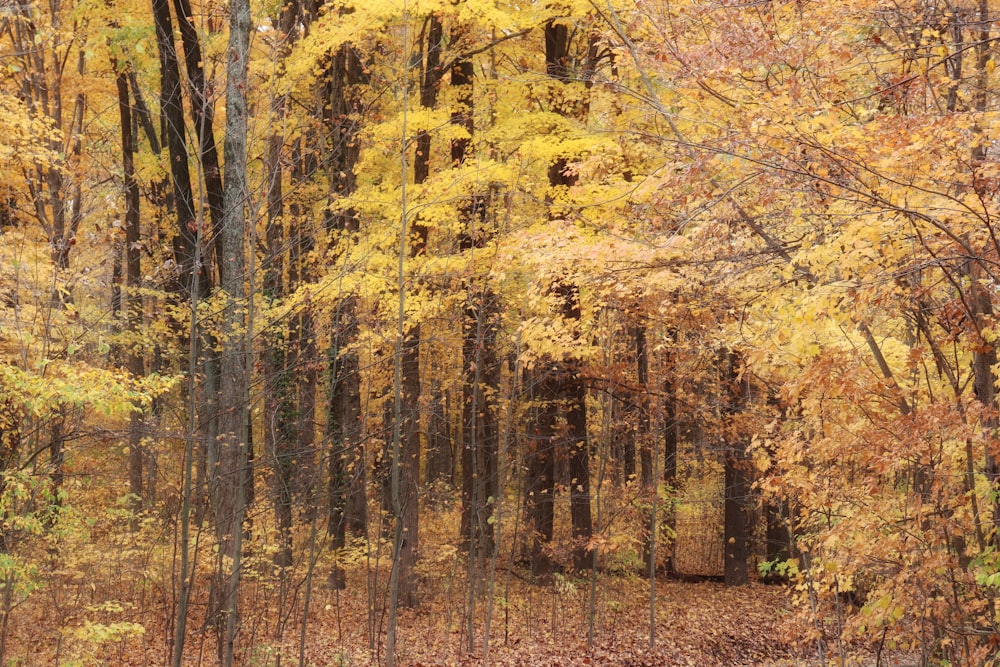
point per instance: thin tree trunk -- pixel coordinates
(641, 402)
(11, 417)
(985, 354)
(480, 424)
(409, 462)
(302, 334)
(984, 360)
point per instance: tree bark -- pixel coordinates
(671, 430)
(481, 368)
(984, 360)
(172, 127)
(540, 453)
(573, 394)
(202, 113)
(133, 277)
(737, 475)
(343, 430)
(572, 390)
(440, 458)
(346, 497)
(280, 358)
(409, 463)
(479, 419)
(233, 488)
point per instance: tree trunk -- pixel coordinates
(343, 430)
(540, 453)
(302, 334)
(481, 368)
(440, 459)
(984, 360)
(625, 435)
(737, 475)
(641, 403)
(409, 463)
(202, 113)
(572, 391)
(346, 497)
(233, 488)
(778, 544)
(133, 277)
(671, 429)
(573, 397)
(173, 127)
(409, 468)
(479, 420)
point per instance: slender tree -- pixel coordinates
(232, 478)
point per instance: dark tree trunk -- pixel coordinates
(278, 370)
(290, 399)
(181, 197)
(735, 535)
(141, 113)
(202, 113)
(172, 127)
(557, 385)
(540, 453)
(303, 335)
(348, 511)
(343, 430)
(11, 418)
(579, 469)
(984, 360)
(341, 114)
(737, 474)
(671, 430)
(409, 468)
(133, 300)
(641, 403)
(481, 368)
(279, 432)
(57, 458)
(479, 419)
(429, 82)
(778, 543)
(440, 458)
(622, 404)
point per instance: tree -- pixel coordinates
(232, 478)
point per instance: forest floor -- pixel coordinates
(700, 624)
(118, 610)
(551, 625)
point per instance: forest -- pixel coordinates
(499, 332)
